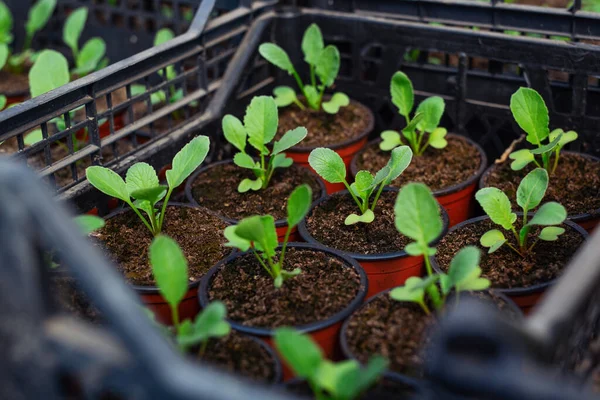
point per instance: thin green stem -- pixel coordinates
(546, 161)
(320, 97)
(525, 216)
(175, 317)
(299, 104)
(425, 308)
(514, 249)
(514, 231)
(358, 202)
(427, 262)
(163, 210)
(152, 217)
(556, 156)
(537, 163)
(260, 260)
(313, 80)
(203, 348)
(142, 218)
(27, 43)
(374, 204)
(420, 135)
(531, 247)
(299, 81)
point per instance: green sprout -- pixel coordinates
(529, 110)
(330, 166)
(91, 56)
(324, 63)
(141, 182)
(258, 233)
(426, 119)
(530, 193)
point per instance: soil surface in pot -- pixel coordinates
(326, 224)
(242, 355)
(385, 389)
(198, 232)
(399, 331)
(575, 184)
(438, 169)
(325, 287)
(325, 129)
(216, 189)
(504, 267)
(14, 84)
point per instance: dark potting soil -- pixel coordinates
(505, 268)
(385, 389)
(72, 300)
(216, 189)
(324, 288)
(575, 184)
(326, 224)
(325, 129)
(400, 331)
(242, 355)
(198, 232)
(438, 169)
(14, 84)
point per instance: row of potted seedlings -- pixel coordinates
(230, 249)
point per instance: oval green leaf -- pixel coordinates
(432, 109)
(276, 56)
(551, 213)
(108, 182)
(417, 214)
(402, 93)
(49, 72)
(530, 112)
(298, 204)
(73, 27)
(328, 164)
(328, 66)
(289, 139)
(234, 132)
(497, 206)
(187, 160)
(551, 233)
(261, 121)
(169, 268)
(532, 189)
(312, 44)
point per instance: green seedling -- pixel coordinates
(38, 17)
(258, 130)
(141, 182)
(170, 270)
(330, 166)
(530, 193)
(88, 223)
(529, 110)
(344, 380)
(91, 56)
(324, 63)
(258, 233)
(422, 130)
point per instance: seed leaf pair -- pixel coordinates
(324, 63)
(330, 166)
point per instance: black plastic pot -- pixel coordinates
(278, 368)
(386, 270)
(525, 298)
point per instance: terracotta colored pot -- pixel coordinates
(386, 270)
(526, 298)
(280, 224)
(586, 220)
(458, 200)
(16, 98)
(347, 150)
(325, 333)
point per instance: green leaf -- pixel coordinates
(89, 57)
(413, 249)
(312, 96)
(437, 138)
(234, 132)
(88, 223)
(108, 182)
(249, 184)
(289, 139)
(412, 291)
(463, 264)
(328, 164)
(281, 161)
(3, 101)
(497, 206)
(521, 158)
(312, 44)
(337, 101)
(417, 214)
(337, 379)
(33, 137)
(532, 189)
(299, 351)
(398, 162)
(261, 231)
(298, 204)
(243, 160)
(328, 66)
(367, 217)
(169, 268)
(210, 323)
(234, 240)
(530, 112)
(73, 27)
(261, 121)
(551, 233)
(49, 72)
(566, 138)
(284, 96)
(38, 16)
(140, 176)
(187, 160)
(376, 367)
(493, 239)
(6, 24)
(473, 282)
(389, 140)
(4, 51)
(547, 147)
(152, 195)
(402, 93)
(363, 184)
(432, 109)
(162, 36)
(145, 206)
(276, 56)
(550, 213)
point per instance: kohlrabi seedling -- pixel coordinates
(330, 166)
(258, 233)
(91, 56)
(258, 130)
(530, 193)
(344, 380)
(324, 63)
(422, 130)
(529, 110)
(170, 270)
(141, 182)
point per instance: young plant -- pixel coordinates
(258, 130)
(258, 233)
(141, 182)
(422, 130)
(530, 193)
(344, 380)
(170, 270)
(324, 63)
(330, 166)
(529, 110)
(91, 56)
